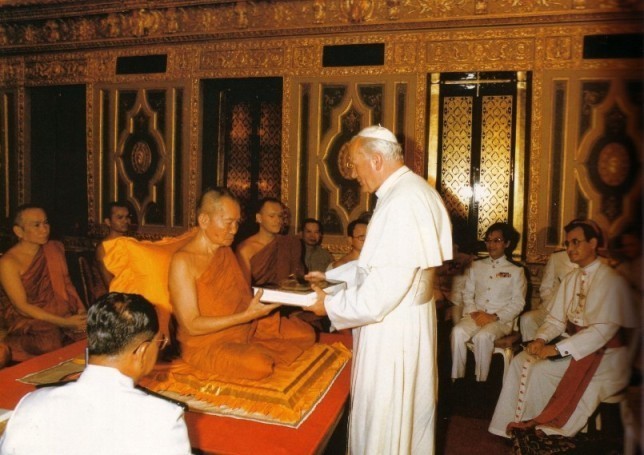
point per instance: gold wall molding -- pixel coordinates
(59, 26)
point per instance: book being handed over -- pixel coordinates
(297, 291)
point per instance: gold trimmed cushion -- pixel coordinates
(286, 397)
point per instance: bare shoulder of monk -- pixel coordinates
(190, 260)
(249, 247)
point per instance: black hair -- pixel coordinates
(352, 226)
(591, 230)
(312, 220)
(116, 319)
(262, 202)
(505, 229)
(17, 214)
(111, 205)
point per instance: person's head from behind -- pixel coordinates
(497, 239)
(270, 215)
(583, 238)
(218, 215)
(373, 154)
(357, 232)
(117, 218)
(311, 231)
(31, 225)
(123, 332)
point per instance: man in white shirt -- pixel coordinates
(493, 297)
(103, 412)
(390, 306)
(556, 384)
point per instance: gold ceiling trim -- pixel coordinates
(81, 25)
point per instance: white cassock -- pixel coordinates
(557, 267)
(391, 308)
(608, 307)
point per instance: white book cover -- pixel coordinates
(297, 293)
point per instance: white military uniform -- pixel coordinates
(101, 413)
(394, 375)
(494, 286)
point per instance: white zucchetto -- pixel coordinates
(378, 132)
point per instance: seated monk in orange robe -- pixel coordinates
(220, 324)
(46, 311)
(268, 257)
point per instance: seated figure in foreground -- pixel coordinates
(267, 257)
(103, 412)
(493, 297)
(221, 326)
(592, 305)
(46, 311)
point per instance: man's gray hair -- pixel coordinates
(389, 150)
(378, 139)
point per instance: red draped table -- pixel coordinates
(221, 435)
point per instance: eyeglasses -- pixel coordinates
(574, 242)
(496, 240)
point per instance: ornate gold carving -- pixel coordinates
(613, 164)
(357, 11)
(491, 50)
(305, 56)
(559, 48)
(58, 71)
(242, 58)
(405, 53)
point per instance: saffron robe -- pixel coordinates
(392, 312)
(246, 351)
(48, 287)
(276, 261)
(531, 382)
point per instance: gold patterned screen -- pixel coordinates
(456, 159)
(477, 148)
(496, 166)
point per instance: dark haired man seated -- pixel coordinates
(103, 412)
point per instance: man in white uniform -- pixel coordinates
(102, 412)
(391, 304)
(557, 267)
(493, 297)
(556, 387)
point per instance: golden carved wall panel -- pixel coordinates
(331, 112)
(79, 42)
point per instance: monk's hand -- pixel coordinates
(318, 307)
(257, 309)
(77, 322)
(315, 276)
(535, 347)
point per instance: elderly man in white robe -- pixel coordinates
(555, 386)
(391, 305)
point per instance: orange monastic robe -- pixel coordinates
(277, 260)
(49, 287)
(245, 351)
